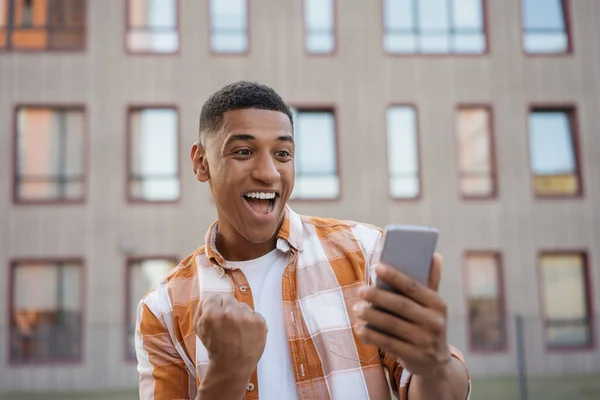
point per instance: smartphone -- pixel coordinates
(409, 249)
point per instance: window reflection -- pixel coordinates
(552, 153)
(434, 26)
(565, 296)
(544, 26)
(319, 24)
(486, 309)
(315, 155)
(154, 170)
(46, 314)
(49, 154)
(152, 26)
(403, 152)
(476, 172)
(228, 19)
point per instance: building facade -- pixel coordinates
(478, 117)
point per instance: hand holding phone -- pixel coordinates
(409, 249)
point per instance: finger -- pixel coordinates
(409, 287)
(385, 342)
(230, 303)
(390, 324)
(435, 274)
(401, 306)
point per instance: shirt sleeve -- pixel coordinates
(399, 377)
(163, 374)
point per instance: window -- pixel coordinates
(46, 314)
(434, 26)
(476, 165)
(49, 154)
(487, 329)
(403, 152)
(153, 154)
(142, 276)
(42, 24)
(566, 302)
(152, 26)
(545, 26)
(315, 154)
(553, 153)
(319, 25)
(229, 26)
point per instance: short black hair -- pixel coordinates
(239, 95)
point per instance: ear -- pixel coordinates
(199, 162)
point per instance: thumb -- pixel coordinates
(435, 275)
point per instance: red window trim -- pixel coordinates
(11, 292)
(248, 34)
(571, 110)
(142, 106)
(328, 107)
(568, 30)
(419, 197)
(589, 300)
(131, 52)
(85, 155)
(83, 49)
(501, 298)
(484, 8)
(492, 153)
(333, 52)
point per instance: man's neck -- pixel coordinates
(237, 248)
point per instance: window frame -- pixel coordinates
(501, 299)
(129, 263)
(305, 32)
(8, 30)
(212, 51)
(131, 108)
(484, 31)
(419, 151)
(492, 152)
(85, 143)
(333, 109)
(126, 28)
(571, 110)
(587, 286)
(566, 4)
(13, 265)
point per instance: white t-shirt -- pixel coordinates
(275, 371)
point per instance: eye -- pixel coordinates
(243, 152)
(283, 154)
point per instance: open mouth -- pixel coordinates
(261, 202)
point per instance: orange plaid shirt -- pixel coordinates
(328, 261)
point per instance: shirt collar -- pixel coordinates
(289, 237)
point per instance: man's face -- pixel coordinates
(250, 169)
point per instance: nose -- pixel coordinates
(265, 169)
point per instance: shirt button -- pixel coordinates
(250, 387)
(243, 288)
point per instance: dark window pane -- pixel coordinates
(46, 314)
(486, 314)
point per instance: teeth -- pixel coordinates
(260, 195)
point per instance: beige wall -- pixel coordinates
(361, 82)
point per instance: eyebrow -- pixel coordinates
(246, 137)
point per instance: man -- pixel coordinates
(279, 306)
